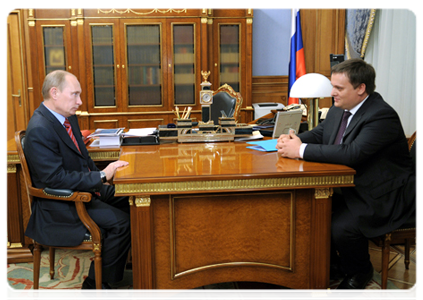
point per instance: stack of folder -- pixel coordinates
(266, 145)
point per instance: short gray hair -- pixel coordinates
(56, 79)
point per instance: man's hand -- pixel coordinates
(289, 145)
(110, 170)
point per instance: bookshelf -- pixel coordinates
(103, 53)
(54, 49)
(143, 50)
(184, 64)
(229, 53)
(136, 65)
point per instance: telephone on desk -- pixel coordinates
(296, 106)
(322, 111)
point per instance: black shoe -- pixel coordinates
(335, 272)
(88, 290)
(357, 281)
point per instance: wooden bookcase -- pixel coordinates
(135, 66)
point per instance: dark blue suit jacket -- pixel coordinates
(375, 146)
(55, 162)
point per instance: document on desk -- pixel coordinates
(265, 146)
(107, 137)
(140, 132)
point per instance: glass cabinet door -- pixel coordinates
(103, 57)
(184, 63)
(54, 48)
(229, 55)
(144, 74)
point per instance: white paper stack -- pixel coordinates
(107, 137)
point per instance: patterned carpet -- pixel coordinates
(71, 268)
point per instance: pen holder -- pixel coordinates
(184, 123)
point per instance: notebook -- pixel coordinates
(286, 120)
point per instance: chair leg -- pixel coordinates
(407, 253)
(385, 261)
(37, 262)
(52, 259)
(97, 268)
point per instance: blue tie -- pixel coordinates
(342, 128)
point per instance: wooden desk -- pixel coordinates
(209, 213)
(18, 211)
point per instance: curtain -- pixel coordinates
(391, 51)
(359, 23)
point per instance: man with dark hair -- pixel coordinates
(363, 132)
(57, 158)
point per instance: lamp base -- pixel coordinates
(313, 113)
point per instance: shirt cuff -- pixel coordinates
(302, 149)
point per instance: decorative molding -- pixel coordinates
(142, 201)
(108, 155)
(14, 245)
(143, 120)
(232, 184)
(128, 10)
(97, 247)
(13, 158)
(11, 168)
(230, 264)
(323, 193)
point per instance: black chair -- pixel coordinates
(404, 235)
(92, 240)
(226, 99)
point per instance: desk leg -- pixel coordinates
(142, 243)
(321, 236)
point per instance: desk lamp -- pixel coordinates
(312, 86)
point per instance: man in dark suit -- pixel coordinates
(55, 161)
(374, 145)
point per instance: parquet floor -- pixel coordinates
(406, 280)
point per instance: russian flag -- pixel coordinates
(297, 61)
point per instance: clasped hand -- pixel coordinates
(288, 145)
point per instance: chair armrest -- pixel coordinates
(60, 194)
(78, 198)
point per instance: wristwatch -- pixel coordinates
(103, 177)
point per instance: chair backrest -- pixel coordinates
(226, 99)
(20, 141)
(414, 147)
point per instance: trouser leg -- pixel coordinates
(351, 244)
(111, 214)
